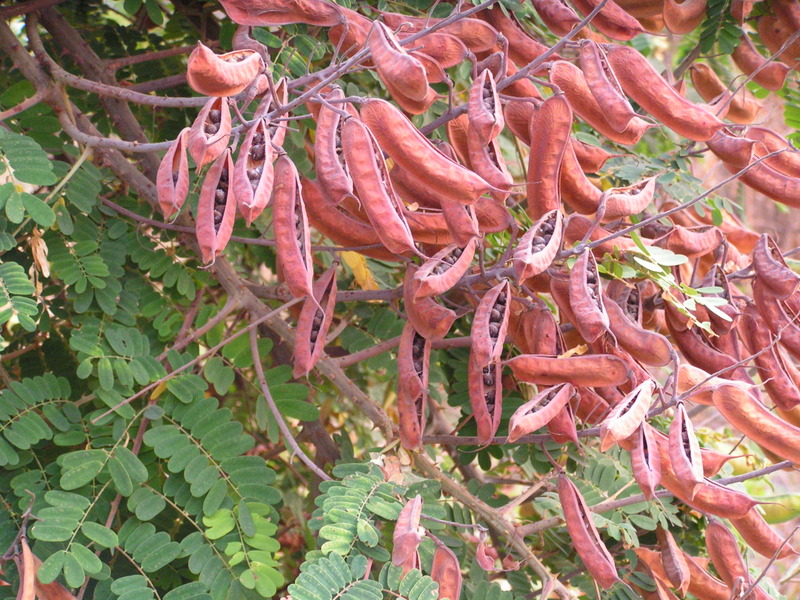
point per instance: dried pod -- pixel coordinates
(371, 178)
(586, 298)
(732, 149)
(724, 552)
(522, 48)
(645, 461)
(589, 406)
(407, 535)
(483, 109)
(562, 426)
(612, 20)
(446, 571)
(577, 190)
(762, 538)
(772, 270)
(787, 162)
(517, 115)
(550, 130)
(692, 242)
(674, 561)
(172, 179)
(556, 15)
(226, 74)
(684, 451)
(539, 246)
(413, 358)
(332, 173)
(290, 223)
(268, 13)
(605, 87)
(485, 384)
(538, 411)
(684, 17)
(740, 108)
(253, 174)
(395, 65)
(430, 319)
(584, 534)
(314, 322)
(630, 200)
(589, 370)
(443, 270)
(490, 324)
(440, 49)
(216, 209)
(591, 158)
(770, 75)
(646, 346)
(627, 416)
(487, 161)
(208, 135)
(461, 221)
(476, 35)
(702, 584)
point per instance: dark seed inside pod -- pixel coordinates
(458, 252)
(258, 138)
(494, 330)
(220, 199)
(211, 128)
(215, 115)
(488, 98)
(257, 152)
(488, 376)
(685, 440)
(496, 315)
(489, 397)
(175, 176)
(418, 353)
(632, 305)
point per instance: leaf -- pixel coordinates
(358, 264)
(40, 212)
(100, 534)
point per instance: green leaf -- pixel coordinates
(81, 474)
(51, 567)
(74, 574)
(88, 560)
(40, 212)
(100, 534)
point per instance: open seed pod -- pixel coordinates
(216, 209)
(413, 358)
(208, 135)
(539, 411)
(253, 174)
(222, 74)
(172, 179)
(539, 246)
(443, 270)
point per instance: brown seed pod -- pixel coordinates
(577, 191)
(434, 72)
(589, 370)
(332, 174)
(443, 270)
(413, 358)
(216, 209)
(562, 426)
(538, 411)
(407, 535)
(461, 221)
(446, 571)
(787, 162)
(732, 149)
(208, 135)
(483, 108)
(589, 406)
(408, 148)
(629, 200)
(692, 242)
(314, 322)
(430, 319)
(351, 35)
(684, 17)
(591, 158)
(517, 115)
(556, 15)
(485, 384)
(490, 324)
(627, 416)
(762, 538)
(724, 553)
(457, 134)
(576, 227)
(584, 534)
(371, 179)
(226, 74)
(771, 269)
(550, 130)
(539, 246)
(604, 86)
(571, 80)
(172, 179)
(290, 223)
(612, 20)
(770, 75)
(586, 298)
(684, 452)
(646, 346)
(779, 318)
(645, 461)
(487, 161)
(676, 567)
(748, 415)
(395, 65)
(268, 13)
(642, 8)
(253, 174)
(702, 584)
(475, 34)
(774, 32)
(444, 49)
(741, 108)
(522, 48)
(643, 84)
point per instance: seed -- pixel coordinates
(253, 175)
(210, 128)
(494, 330)
(501, 299)
(538, 241)
(418, 365)
(496, 315)
(313, 336)
(488, 378)
(219, 196)
(214, 116)
(257, 152)
(175, 176)
(258, 138)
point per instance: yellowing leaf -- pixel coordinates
(576, 351)
(358, 264)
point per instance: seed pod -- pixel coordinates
(734, 150)
(576, 227)
(477, 35)
(522, 48)
(407, 535)
(490, 324)
(646, 346)
(446, 571)
(584, 534)
(643, 84)
(220, 75)
(629, 200)
(591, 158)
(627, 416)
(549, 134)
(413, 358)
(556, 15)
(675, 564)
(485, 384)
(684, 17)
(771, 269)
(371, 178)
(458, 134)
(562, 426)
(488, 162)
(612, 20)
(589, 406)
(770, 75)
(411, 150)
(290, 223)
(428, 226)
(774, 32)
(538, 411)
(692, 242)
(208, 135)
(571, 80)
(441, 48)
(586, 298)
(253, 174)
(762, 538)
(430, 319)
(268, 13)
(604, 86)
(742, 108)
(778, 317)
(724, 553)
(787, 162)
(517, 115)
(539, 246)
(396, 65)
(443, 270)
(751, 417)
(333, 176)
(589, 370)
(314, 322)
(645, 461)
(172, 179)
(684, 451)
(652, 560)
(702, 584)
(483, 109)
(216, 209)
(461, 221)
